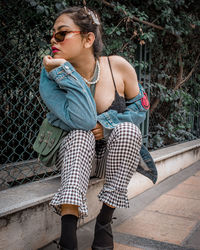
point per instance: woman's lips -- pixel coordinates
(54, 49)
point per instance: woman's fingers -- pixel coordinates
(51, 63)
(98, 127)
(97, 134)
(47, 59)
(98, 131)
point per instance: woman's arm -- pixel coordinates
(68, 98)
(128, 76)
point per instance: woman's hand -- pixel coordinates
(50, 63)
(98, 131)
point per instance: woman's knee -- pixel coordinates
(80, 136)
(127, 131)
(88, 135)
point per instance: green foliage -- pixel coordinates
(175, 113)
(174, 46)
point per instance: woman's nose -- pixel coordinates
(53, 41)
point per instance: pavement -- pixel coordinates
(164, 217)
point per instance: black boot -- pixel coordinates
(60, 247)
(103, 237)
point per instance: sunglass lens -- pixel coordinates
(60, 36)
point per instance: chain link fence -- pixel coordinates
(23, 33)
(22, 47)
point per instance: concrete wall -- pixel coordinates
(169, 161)
(28, 223)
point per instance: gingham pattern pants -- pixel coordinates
(116, 159)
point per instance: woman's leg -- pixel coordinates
(75, 161)
(122, 158)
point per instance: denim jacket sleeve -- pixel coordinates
(135, 112)
(68, 98)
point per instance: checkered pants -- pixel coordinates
(116, 159)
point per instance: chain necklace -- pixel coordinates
(96, 75)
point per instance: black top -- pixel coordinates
(118, 103)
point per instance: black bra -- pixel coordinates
(118, 103)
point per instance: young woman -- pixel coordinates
(98, 100)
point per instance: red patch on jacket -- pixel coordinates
(145, 101)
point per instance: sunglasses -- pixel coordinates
(60, 36)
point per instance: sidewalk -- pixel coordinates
(164, 217)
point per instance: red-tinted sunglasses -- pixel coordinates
(60, 36)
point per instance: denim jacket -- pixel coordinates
(72, 106)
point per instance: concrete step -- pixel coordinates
(175, 201)
(29, 223)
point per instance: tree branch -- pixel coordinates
(180, 75)
(134, 17)
(180, 82)
(124, 46)
(154, 105)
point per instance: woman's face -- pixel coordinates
(73, 43)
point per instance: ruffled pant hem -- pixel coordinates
(113, 197)
(69, 196)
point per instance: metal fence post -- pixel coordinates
(143, 72)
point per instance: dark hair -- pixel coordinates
(82, 17)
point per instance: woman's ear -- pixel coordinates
(89, 40)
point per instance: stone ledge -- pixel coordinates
(28, 222)
(169, 161)
(27, 195)
(168, 152)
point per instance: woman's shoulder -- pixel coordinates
(115, 59)
(118, 62)
(121, 65)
